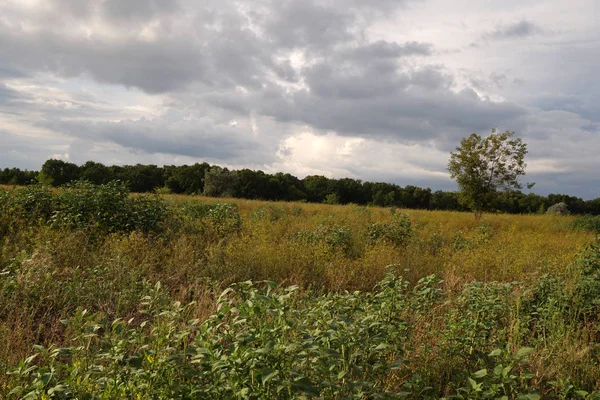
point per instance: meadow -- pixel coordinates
(108, 295)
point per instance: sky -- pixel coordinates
(378, 90)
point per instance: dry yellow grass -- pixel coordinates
(56, 271)
(452, 244)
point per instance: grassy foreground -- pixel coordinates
(335, 301)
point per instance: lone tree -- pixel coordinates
(484, 166)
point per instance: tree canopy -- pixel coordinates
(250, 184)
(483, 167)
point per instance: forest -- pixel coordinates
(215, 181)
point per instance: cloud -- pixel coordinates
(258, 82)
(135, 10)
(194, 138)
(521, 29)
(382, 49)
(338, 157)
(9, 95)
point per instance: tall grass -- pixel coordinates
(63, 251)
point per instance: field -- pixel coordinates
(106, 295)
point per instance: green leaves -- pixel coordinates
(304, 386)
(480, 374)
(277, 343)
(525, 352)
(396, 232)
(82, 205)
(264, 342)
(484, 166)
(267, 374)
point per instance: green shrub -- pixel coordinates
(83, 205)
(484, 231)
(194, 209)
(544, 311)
(426, 294)
(460, 241)
(146, 214)
(396, 232)
(32, 203)
(589, 223)
(558, 209)
(163, 190)
(477, 322)
(436, 243)
(265, 342)
(269, 213)
(585, 299)
(332, 198)
(225, 218)
(335, 237)
(506, 377)
(108, 208)
(262, 343)
(217, 219)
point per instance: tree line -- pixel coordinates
(212, 180)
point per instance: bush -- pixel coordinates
(83, 205)
(31, 203)
(220, 219)
(589, 223)
(585, 299)
(195, 209)
(108, 208)
(224, 217)
(335, 237)
(163, 190)
(396, 232)
(269, 212)
(332, 198)
(265, 342)
(558, 209)
(147, 214)
(476, 324)
(460, 242)
(262, 343)
(484, 231)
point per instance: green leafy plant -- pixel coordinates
(334, 237)
(506, 377)
(396, 232)
(586, 222)
(263, 342)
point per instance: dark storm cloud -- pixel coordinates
(200, 140)
(218, 48)
(351, 85)
(374, 99)
(129, 63)
(406, 116)
(558, 102)
(218, 53)
(354, 81)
